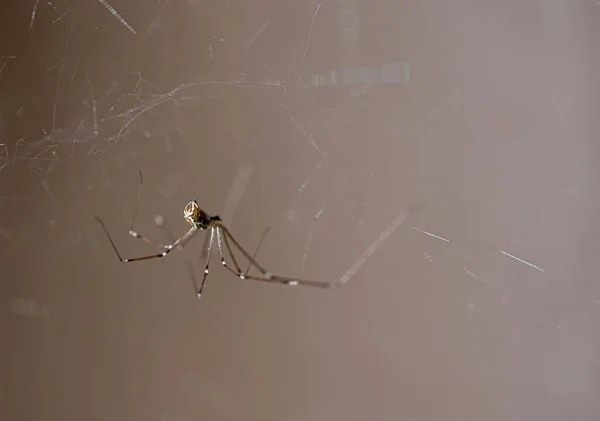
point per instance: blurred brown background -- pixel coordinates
(325, 120)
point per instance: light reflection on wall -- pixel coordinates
(389, 73)
(29, 308)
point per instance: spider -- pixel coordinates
(200, 221)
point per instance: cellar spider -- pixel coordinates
(200, 221)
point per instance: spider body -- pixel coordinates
(199, 220)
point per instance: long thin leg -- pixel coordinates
(227, 235)
(237, 270)
(168, 248)
(133, 232)
(160, 221)
(276, 279)
(205, 246)
(262, 238)
(266, 276)
(210, 243)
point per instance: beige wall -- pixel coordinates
(493, 135)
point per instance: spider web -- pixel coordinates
(66, 108)
(62, 102)
(81, 84)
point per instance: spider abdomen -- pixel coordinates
(195, 216)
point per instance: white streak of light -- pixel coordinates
(387, 232)
(522, 261)
(33, 14)
(238, 187)
(308, 243)
(257, 34)
(116, 14)
(4, 158)
(309, 32)
(430, 234)
(307, 136)
(318, 214)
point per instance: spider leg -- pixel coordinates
(262, 238)
(227, 235)
(275, 279)
(168, 248)
(205, 246)
(266, 276)
(133, 232)
(237, 270)
(210, 244)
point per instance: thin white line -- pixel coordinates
(387, 232)
(318, 214)
(33, 14)
(309, 32)
(306, 135)
(523, 261)
(238, 187)
(430, 234)
(308, 243)
(257, 34)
